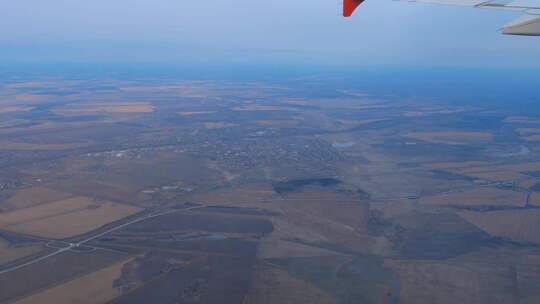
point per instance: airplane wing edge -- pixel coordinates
(528, 25)
(349, 6)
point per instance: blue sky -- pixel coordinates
(249, 32)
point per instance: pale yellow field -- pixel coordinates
(478, 197)
(522, 167)
(33, 196)
(45, 210)
(92, 288)
(114, 108)
(490, 171)
(40, 147)
(259, 107)
(535, 199)
(64, 218)
(529, 134)
(46, 126)
(527, 183)
(528, 131)
(452, 137)
(532, 138)
(360, 122)
(428, 112)
(456, 165)
(11, 253)
(495, 175)
(14, 109)
(219, 125)
(501, 172)
(344, 103)
(518, 225)
(31, 97)
(194, 113)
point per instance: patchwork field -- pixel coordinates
(450, 283)
(529, 134)
(534, 200)
(353, 123)
(329, 205)
(316, 217)
(532, 138)
(278, 123)
(259, 107)
(33, 196)
(431, 111)
(113, 108)
(206, 222)
(528, 131)
(64, 218)
(94, 288)
(478, 197)
(14, 109)
(219, 125)
(247, 195)
(517, 225)
(460, 165)
(273, 285)
(273, 247)
(349, 279)
(38, 147)
(28, 97)
(452, 137)
(195, 113)
(522, 120)
(491, 171)
(9, 253)
(528, 272)
(57, 270)
(295, 190)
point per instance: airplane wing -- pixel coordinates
(528, 25)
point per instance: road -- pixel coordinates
(73, 245)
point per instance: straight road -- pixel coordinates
(73, 245)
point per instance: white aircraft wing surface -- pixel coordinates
(528, 24)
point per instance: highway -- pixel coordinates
(74, 245)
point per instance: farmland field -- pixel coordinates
(118, 189)
(64, 218)
(96, 287)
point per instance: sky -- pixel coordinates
(382, 32)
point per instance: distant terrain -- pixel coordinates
(167, 190)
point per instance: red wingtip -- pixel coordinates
(349, 6)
